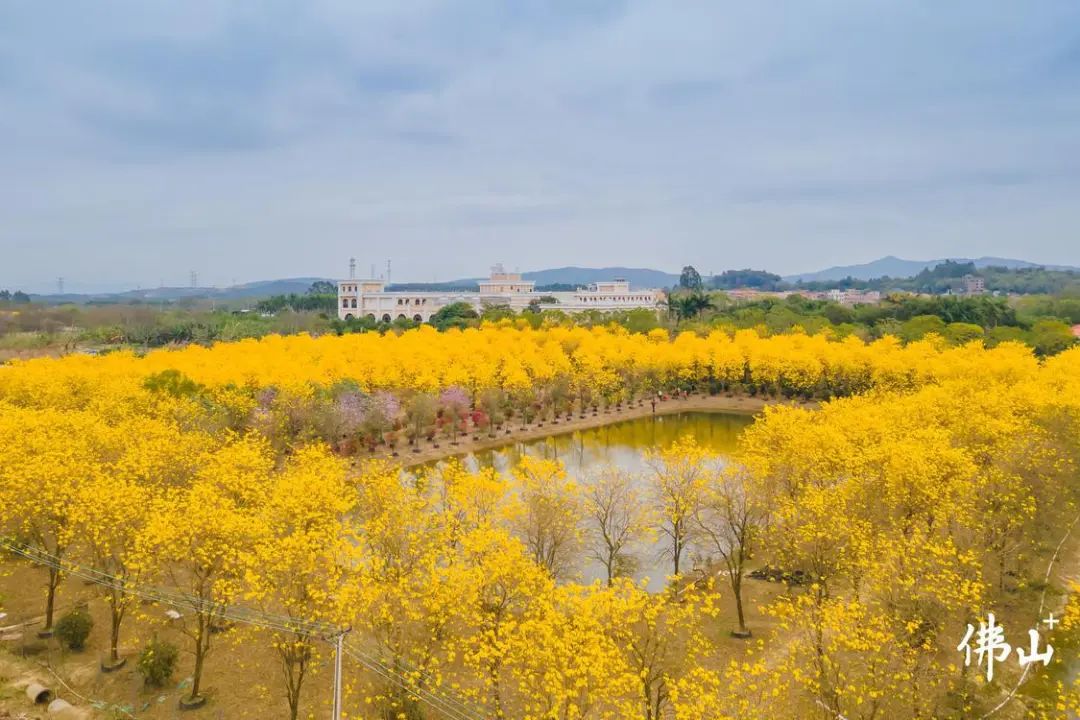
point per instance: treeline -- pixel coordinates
(1043, 323)
(948, 276)
(34, 327)
(315, 302)
(462, 315)
(18, 297)
(944, 277)
(144, 325)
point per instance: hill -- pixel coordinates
(638, 277)
(895, 267)
(257, 289)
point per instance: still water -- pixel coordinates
(622, 444)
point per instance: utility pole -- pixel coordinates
(60, 286)
(338, 650)
(194, 279)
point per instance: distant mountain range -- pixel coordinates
(258, 289)
(890, 266)
(895, 267)
(638, 277)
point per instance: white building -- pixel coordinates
(854, 297)
(371, 299)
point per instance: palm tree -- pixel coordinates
(689, 305)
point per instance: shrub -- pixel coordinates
(74, 628)
(157, 661)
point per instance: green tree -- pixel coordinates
(1051, 336)
(459, 315)
(493, 403)
(690, 279)
(688, 305)
(959, 333)
(920, 326)
(494, 313)
(420, 415)
(1003, 333)
(747, 278)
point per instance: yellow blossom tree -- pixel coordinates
(300, 559)
(200, 535)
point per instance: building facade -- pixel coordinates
(854, 297)
(974, 285)
(371, 299)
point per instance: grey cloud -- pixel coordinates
(140, 137)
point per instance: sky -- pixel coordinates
(140, 141)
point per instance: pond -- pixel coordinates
(622, 444)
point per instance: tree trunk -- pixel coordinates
(114, 638)
(50, 599)
(676, 547)
(201, 643)
(295, 665)
(736, 586)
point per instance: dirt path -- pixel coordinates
(428, 452)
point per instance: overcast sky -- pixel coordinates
(245, 140)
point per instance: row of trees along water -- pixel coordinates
(360, 391)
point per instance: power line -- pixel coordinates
(413, 669)
(451, 708)
(446, 705)
(235, 613)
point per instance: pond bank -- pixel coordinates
(695, 403)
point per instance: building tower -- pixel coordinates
(352, 268)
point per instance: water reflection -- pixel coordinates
(622, 444)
